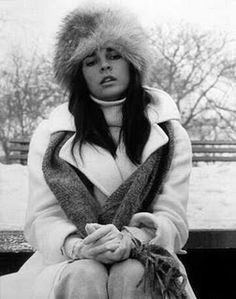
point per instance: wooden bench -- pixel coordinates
(14, 251)
(18, 149)
(203, 151)
(214, 151)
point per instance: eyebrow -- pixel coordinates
(110, 50)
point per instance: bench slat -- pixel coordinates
(213, 142)
(214, 159)
(20, 141)
(213, 150)
(211, 239)
(16, 157)
(19, 148)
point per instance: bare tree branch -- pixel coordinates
(191, 66)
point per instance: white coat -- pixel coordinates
(46, 224)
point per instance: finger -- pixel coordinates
(113, 246)
(122, 252)
(95, 250)
(118, 250)
(91, 227)
(111, 236)
(97, 226)
(99, 233)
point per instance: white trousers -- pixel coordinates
(88, 279)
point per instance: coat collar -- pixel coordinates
(96, 163)
(161, 108)
(61, 119)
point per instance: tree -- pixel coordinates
(194, 67)
(27, 94)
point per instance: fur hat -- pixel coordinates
(88, 28)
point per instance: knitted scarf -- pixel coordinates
(135, 194)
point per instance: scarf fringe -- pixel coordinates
(161, 271)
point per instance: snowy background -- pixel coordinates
(212, 202)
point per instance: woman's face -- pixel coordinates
(106, 73)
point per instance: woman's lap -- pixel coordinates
(124, 280)
(82, 279)
(85, 279)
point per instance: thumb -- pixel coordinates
(91, 227)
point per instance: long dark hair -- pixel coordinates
(92, 127)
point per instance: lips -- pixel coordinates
(107, 79)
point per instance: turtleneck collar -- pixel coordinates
(112, 111)
(107, 103)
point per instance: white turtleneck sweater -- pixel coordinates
(112, 111)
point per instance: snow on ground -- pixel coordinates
(13, 195)
(212, 201)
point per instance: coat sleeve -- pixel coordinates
(46, 225)
(167, 216)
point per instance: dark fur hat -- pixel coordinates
(90, 27)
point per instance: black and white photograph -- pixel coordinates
(117, 149)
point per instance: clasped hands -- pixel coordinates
(104, 243)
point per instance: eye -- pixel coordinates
(113, 55)
(90, 62)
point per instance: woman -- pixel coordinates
(109, 173)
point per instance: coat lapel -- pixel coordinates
(157, 138)
(101, 168)
(96, 163)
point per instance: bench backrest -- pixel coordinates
(205, 151)
(211, 151)
(18, 150)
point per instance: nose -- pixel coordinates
(105, 66)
